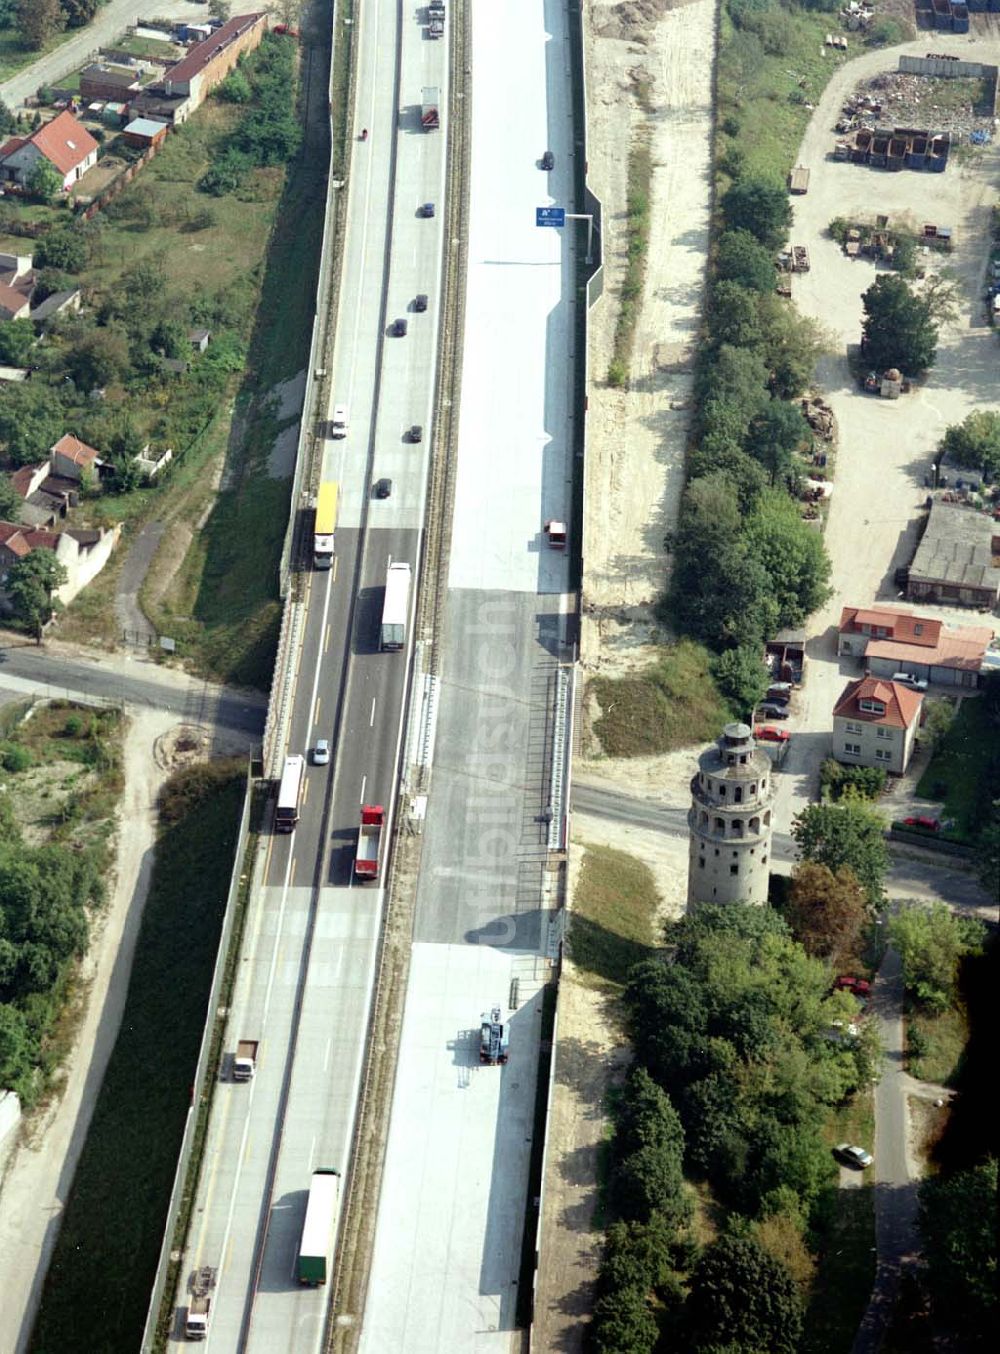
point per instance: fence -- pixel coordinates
(121, 181)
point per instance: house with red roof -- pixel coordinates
(64, 142)
(72, 458)
(82, 551)
(891, 640)
(875, 724)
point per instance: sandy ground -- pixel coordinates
(636, 438)
(39, 1174)
(635, 467)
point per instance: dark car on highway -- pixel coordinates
(548, 160)
(383, 488)
(398, 328)
(420, 302)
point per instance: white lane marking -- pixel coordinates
(371, 718)
(364, 782)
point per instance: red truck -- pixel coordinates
(369, 841)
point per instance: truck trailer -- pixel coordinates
(286, 814)
(396, 607)
(369, 841)
(326, 522)
(245, 1061)
(320, 1227)
(200, 1307)
(430, 116)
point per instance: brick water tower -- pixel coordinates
(730, 822)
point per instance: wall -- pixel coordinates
(84, 565)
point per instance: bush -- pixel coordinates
(866, 781)
(15, 757)
(65, 249)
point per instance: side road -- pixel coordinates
(107, 25)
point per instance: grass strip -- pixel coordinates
(97, 1289)
(640, 174)
(614, 905)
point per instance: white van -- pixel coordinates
(338, 424)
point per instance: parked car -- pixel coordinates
(923, 820)
(861, 987)
(383, 488)
(769, 735)
(415, 433)
(908, 679)
(773, 710)
(398, 328)
(779, 689)
(548, 160)
(426, 209)
(420, 302)
(321, 752)
(853, 1156)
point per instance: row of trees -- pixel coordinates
(744, 563)
(270, 134)
(38, 21)
(733, 1077)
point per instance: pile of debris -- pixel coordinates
(818, 414)
(857, 16)
(957, 106)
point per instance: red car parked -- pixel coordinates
(770, 735)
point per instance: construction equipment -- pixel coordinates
(556, 532)
(493, 1038)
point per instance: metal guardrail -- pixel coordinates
(203, 1091)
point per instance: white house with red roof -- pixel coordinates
(64, 142)
(72, 458)
(82, 551)
(875, 724)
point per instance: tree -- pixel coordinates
(78, 12)
(31, 582)
(776, 433)
(957, 1221)
(939, 715)
(742, 678)
(44, 182)
(39, 21)
(623, 1322)
(790, 347)
(15, 1046)
(10, 500)
(827, 912)
(742, 1298)
(742, 258)
(219, 9)
(65, 249)
(732, 315)
(932, 941)
(760, 207)
(899, 330)
(17, 338)
(235, 88)
(98, 358)
(649, 1144)
(974, 443)
(719, 590)
(792, 555)
(31, 419)
(988, 852)
(847, 834)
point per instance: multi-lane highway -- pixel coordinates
(304, 983)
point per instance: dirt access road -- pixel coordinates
(884, 446)
(649, 79)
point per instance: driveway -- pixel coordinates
(108, 25)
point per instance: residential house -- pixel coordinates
(890, 640)
(56, 304)
(958, 558)
(64, 142)
(72, 458)
(209, 62)
(47, 497)
(14, 305)
(103, 81)
(875, 724)
(142, 133)
(83, 553)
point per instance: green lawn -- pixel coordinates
(935, 1044)
(98, 1285)
(14, 56)
(673, 703)
(614, 907)
(957, 771)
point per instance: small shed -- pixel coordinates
(199, 339)
(144, 132)
(892, 384)
(798, 181)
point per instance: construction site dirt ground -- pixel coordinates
(636, 437)
(636, 441)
